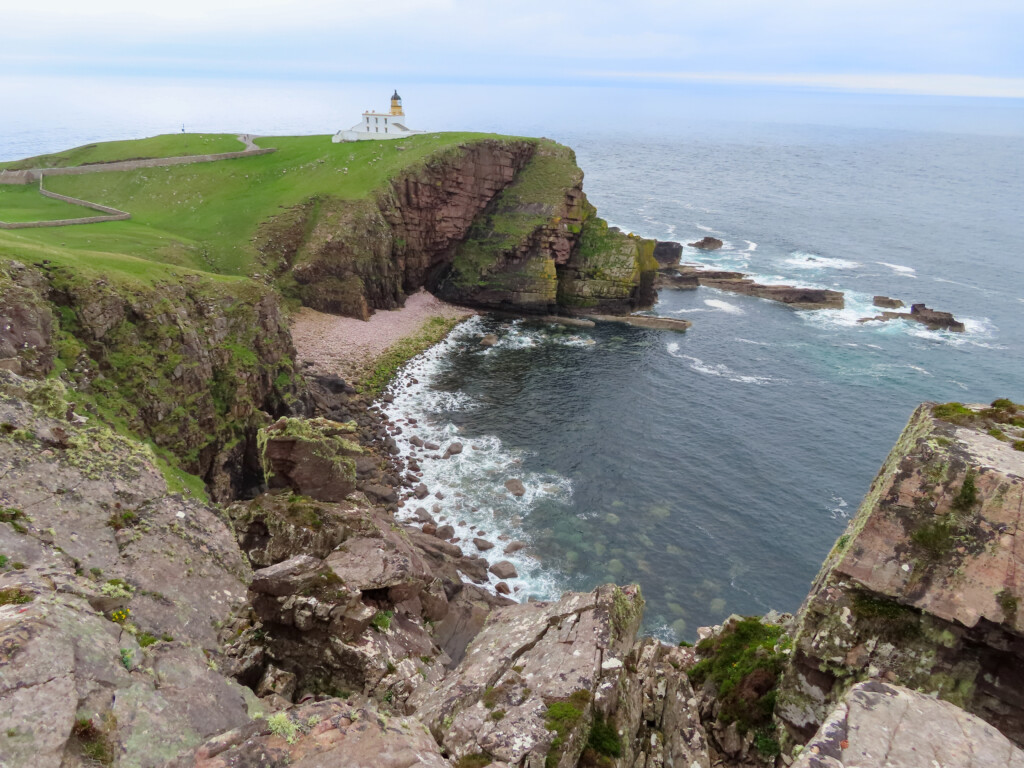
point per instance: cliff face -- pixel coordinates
(493, 224)
(924, 588)
(197, 366)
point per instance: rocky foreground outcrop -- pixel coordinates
(924, 589)
(888, 725)
(498, 224)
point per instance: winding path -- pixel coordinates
(111, 214)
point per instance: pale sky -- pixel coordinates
(893, 46)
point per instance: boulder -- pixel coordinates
(445, 532)
(667, 252)
(707, 243)
(503, 569)
(453, 450)
(483, 544)
(881, 725)
(515, 486)
(887, 303)
(514, 546)
(313, 457)
(421, 492)
(489, 340)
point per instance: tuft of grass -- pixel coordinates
(1009, 604)
(398, 354)
(15, 596)
(281, 725)
(967, 497)
(604, 739)
(381, 620)
(562, 717)
(476, 760)
(955, 413)
(744, 663)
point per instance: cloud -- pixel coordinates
(942, 46)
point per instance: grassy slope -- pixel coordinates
(167, 145)
(205, 215)
(24, 203)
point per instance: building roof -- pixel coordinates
(396, 96)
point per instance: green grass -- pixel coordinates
(166, 145)
(24, 203)
(387, 364)
(206, 215)
(744, 653)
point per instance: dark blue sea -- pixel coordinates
(716, 467)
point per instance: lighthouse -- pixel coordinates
(378, 126)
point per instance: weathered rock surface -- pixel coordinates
(878, 725)
(933, 319)
(111, 590)
(573, 653)
(325, 734)
(314, 457)
(707, 243)
(644, 321)
(887, 303)
(688, 276)
(924, 588)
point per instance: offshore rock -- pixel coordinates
(925, 586)
(886, 302)
(707, 243)
(878, 725)
(933, 319)
(738, 282)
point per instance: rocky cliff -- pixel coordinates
(500, 224)
(924, 587)
(196, 365)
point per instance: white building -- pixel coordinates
(376, 126)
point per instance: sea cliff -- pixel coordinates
(293, 620)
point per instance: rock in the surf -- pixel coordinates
(707, 244)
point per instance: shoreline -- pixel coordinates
(351, 348)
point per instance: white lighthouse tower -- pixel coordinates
(378, 126)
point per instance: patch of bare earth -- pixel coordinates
(346, 346)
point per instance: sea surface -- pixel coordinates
(717, 467)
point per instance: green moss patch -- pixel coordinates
(386, 365)
(563, 717)
(743, 663)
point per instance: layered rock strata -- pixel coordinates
(924, 588)
(499, 224)
(933, 319)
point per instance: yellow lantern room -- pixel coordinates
(396, 104)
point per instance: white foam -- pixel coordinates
(751, 246)
(716, 369)
(703, 228)
(472, 482)
(724, 306)
(801, 260)
(751, 341)
(899, 269)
